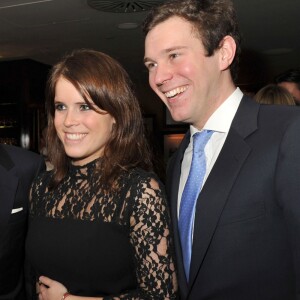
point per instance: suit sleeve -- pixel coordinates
(288, 189)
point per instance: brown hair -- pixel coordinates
(274, 94)
(212, 19)
(102, 79)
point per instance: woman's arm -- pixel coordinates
(152, 241)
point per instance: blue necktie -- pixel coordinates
(190, 194)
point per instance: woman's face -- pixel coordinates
(83, 131)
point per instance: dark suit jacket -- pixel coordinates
(18, 167)
(246, 243)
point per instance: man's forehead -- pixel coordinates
(170, 33)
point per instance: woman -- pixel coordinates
(274, 94)
(99, 225)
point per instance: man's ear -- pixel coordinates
(227, 52)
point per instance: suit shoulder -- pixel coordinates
(17, 152)
(284, 110)
(23, 160)
(280, 114)
(279, 121)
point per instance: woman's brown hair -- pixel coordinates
(100, 78)
(274, 94)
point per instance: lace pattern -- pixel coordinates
(139, 204)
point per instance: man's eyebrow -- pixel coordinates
(174, 48)
(168, 50)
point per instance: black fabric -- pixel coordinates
(102, 244)
(17, 170)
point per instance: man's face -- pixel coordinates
(292, 88)
(180, 73)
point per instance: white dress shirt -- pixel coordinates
(220, 122)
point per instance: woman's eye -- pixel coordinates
(59, 107)
(85, 107)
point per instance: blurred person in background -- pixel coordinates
(274, 94)
(290, 80)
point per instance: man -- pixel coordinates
(18, 167)
(239, 239)
(290, 80)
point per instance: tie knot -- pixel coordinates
(200, 139)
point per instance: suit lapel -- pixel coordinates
(216, 190)
(173, 176)
(8, 188)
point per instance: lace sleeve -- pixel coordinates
(151, 238)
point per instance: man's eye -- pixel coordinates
(174, 55)
(150, 66)
(59, 107)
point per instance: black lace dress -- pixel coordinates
(113, 245)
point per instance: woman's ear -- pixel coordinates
(227, 52)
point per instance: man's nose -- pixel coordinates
(163, 73)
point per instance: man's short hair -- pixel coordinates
(212, 20)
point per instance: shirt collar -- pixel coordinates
(221, 119)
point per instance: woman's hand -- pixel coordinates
(51, 289)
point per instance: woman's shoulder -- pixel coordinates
(43, 178)
(141, 182)
(139, 175)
